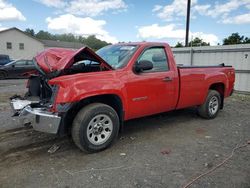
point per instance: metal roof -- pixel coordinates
(62, 44)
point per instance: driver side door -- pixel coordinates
(151, 91)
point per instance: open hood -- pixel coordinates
(58, 59)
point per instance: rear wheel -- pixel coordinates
(211, 107)
(95, 127)
(3, 75)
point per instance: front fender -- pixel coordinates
(78, 92)
(75, 88)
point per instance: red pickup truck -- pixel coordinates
(90, 94)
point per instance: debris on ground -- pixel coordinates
(122, 154)
(122, 138)
(165, 151)
(53, 148)
(218, 165)
(208, 165)
(100, 178)
(200, 131)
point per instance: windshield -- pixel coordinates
(117, 55)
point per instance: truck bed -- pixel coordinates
(194, 78)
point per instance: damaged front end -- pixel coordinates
(37, 112)
(39, 117)
(38, 107)
(35, 108)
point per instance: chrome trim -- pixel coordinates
(39, 118)
(18, 104)
(38, 111)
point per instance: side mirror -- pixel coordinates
(143, 65)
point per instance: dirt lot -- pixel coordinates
(165, 150)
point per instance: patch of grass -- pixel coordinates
(4, 84)
(242, 97)
(4, 97)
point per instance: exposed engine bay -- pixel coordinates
(54, 63)
(50, 64)
(38, 84)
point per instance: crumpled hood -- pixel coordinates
(58, 59)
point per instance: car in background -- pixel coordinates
(4, 59)
(17, 69)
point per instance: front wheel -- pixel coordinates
(211, 107)
(3, 75)
(95, 127)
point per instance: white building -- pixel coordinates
(19, 45)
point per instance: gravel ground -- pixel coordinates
(166, 150)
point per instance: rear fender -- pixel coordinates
(220, 79)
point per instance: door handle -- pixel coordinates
(167, 79)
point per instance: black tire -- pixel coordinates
(3, 75)
(82, 122)
(207, 110)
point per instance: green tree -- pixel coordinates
(94, 43)
(90, 41)
(66, 37)
(246, 40)
(198, 42)
(179, 45)
(45, 35)
(234, 38)
(30, 32)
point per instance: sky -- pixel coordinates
(130, 20)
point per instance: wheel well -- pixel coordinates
(220, 87)
(5, 72)
(109, 99)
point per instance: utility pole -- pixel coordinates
(187, 22)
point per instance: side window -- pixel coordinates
(158, 57)
(9, 45)
(20, 63)
(21, 46)
(30, 63)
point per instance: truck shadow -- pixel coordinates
(24, 144)
(162, 120)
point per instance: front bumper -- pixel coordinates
(39, 118)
